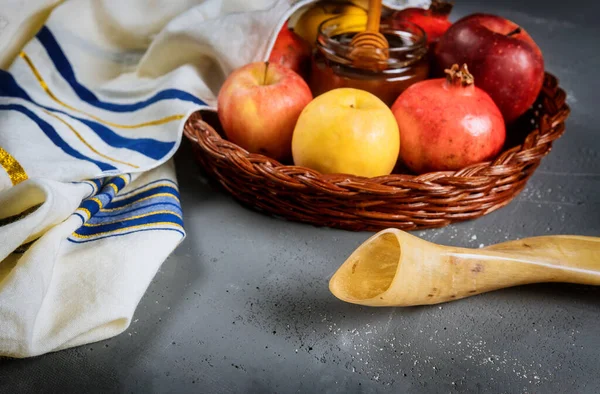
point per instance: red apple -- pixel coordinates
(503, 58)
(291, 51)
(258, 106)
(433, 20)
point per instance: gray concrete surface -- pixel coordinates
(243, 306)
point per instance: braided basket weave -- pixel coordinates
(404, 201)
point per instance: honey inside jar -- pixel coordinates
(332, 66)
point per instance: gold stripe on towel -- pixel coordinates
(44, 86)
(15, 172)
(90, 147)
(149, 225)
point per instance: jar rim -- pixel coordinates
(399, 28)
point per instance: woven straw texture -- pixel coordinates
(404, 201)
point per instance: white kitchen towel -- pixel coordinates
(74, 272)
(91, 112)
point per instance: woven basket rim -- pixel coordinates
(481, 171)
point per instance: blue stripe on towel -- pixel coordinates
(118, 182)
(120, 196)
(65, 69)
(162, 190)
(124, 224)
(146, 146)
(94, 204)
(98, 183)
(139, 209)
(143, 209)
(54, 136)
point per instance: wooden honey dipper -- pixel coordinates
(370, 46)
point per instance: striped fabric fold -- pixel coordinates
(91, 114)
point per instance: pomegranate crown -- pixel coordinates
(441, 7)
(459, 76)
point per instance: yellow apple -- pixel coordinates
(347, 131)
(308, 23)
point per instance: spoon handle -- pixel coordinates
(374, 15)
(573, 256)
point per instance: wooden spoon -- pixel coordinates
(394, 268)
(370, 47)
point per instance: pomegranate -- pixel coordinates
(448, 123)
(434, 20)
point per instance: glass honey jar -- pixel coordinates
(332, 66)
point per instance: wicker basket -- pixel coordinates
(403, 201)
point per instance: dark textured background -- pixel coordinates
(243, 305)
